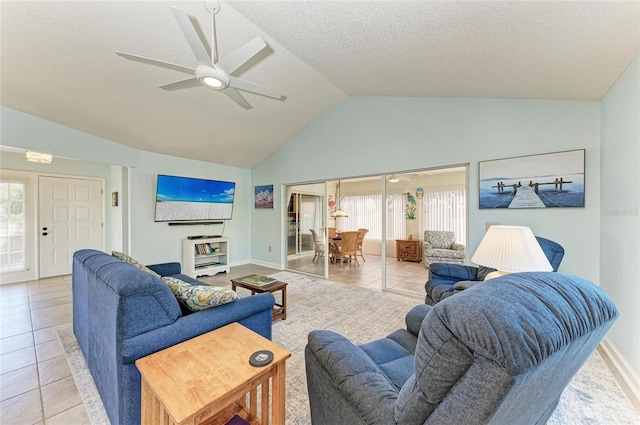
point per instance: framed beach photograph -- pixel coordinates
(264, 196)
(550, 180)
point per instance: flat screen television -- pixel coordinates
(186, 199)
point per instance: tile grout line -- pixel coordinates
(35, 351)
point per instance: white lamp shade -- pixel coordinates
(339, 213)
(511, 249)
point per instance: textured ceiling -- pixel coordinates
(58, 63)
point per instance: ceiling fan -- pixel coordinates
(211, 72)
(395, 178)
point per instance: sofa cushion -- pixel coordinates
(129, 260)
(199, 297)
(445, 253)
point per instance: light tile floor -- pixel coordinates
(404, 276)
(36, 385)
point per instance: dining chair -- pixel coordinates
(361, 234)
(318, 244)
(348, 246)
(332, 232)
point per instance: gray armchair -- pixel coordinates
(498, 353)
(440, 247)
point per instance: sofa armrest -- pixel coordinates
(457, 247)
(166, 269)
(336, 365)
(453, 271)
(465, 284)
(415, 316)
(192, 325)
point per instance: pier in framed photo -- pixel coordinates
(552, 180)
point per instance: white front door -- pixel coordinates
(70, 216)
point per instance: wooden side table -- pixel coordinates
(209, 379)
(279, 310)
(408, 249)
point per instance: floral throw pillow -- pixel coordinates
(124, 257)
(197, 297)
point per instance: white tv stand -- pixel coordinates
(205, 257)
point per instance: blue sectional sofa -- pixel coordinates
(122, 313)
(498, 353)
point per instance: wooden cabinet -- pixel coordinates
(205, 257)
(408, 250)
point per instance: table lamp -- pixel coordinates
(510, 249)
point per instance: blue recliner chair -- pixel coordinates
(497, 353)
(449, 279)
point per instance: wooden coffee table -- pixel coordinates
(208, 379)
(279, 310)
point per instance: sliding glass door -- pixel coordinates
(306, 216)
(393, 212)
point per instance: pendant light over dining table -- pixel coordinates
(338, 212)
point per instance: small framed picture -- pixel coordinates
(264, 196)
(114, 199)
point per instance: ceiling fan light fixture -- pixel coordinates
(212, 77)
(39, 158)
(212, 82)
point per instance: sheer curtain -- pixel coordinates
(446, 210)
(365, 212)
(310, 218)
(396, 228)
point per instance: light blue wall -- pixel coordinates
(370, 135)
(150, 242)
(620, 210)
(29, 132)
(159, 242)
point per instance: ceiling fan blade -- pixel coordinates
(182, 84)
(191, 35)
(236, 97)
(157, 62)
(241, 55)
(239, 84)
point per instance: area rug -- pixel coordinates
(362, 315)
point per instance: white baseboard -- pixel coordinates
(623, 369)
(267, 264)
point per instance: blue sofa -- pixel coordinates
(122, 313)
(497, 353)
(449, 279)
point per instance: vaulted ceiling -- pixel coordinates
(58, 63)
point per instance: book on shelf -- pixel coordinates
(203, 249)
(258, 279)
